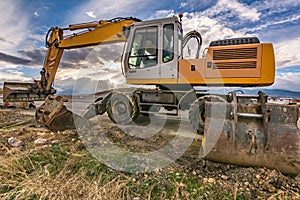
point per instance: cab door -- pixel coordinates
(169, 61)
(143, 62)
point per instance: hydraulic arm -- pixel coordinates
(91, 34)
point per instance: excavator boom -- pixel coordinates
(91, 34)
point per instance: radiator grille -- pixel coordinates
(235, 65)
(241, 53)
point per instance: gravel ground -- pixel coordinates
(248, 182)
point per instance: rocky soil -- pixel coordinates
(188, 178)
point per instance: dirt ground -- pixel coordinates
(189, 177)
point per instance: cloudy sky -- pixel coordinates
(24, 24)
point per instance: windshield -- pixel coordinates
(144, 48)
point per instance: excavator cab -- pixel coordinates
(152, 51)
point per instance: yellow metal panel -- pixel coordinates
(262, 74)
(168, 81)
(268, 63)
(238, 61)
(104, 33)
(189, 76)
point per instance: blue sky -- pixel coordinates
(25, 23)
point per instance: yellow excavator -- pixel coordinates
(253, 132)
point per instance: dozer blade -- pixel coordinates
(54, 115)
(248, 137)
(21, 92)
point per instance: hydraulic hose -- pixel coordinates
(193, 34)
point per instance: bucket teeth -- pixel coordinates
(21, 92)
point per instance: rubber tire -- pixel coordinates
(122, 108)
(197, 112)
(196, 115)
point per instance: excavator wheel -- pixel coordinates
(196, 115)
(122, 108)
(197, 111)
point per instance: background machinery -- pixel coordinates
(251, 130)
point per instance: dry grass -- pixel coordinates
(40, 176)
(68, 172)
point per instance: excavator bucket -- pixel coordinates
(21, 92)
(54, 115)
(258, 134)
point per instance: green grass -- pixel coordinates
(61, 172)
(68, 171)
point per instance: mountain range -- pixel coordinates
(275, 93)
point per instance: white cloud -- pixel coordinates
(242, 11)
(93, 69)
(287, 81)
(287, 53)
(36, 37)
(12, 74)
(210, 29)
(275, 6)
(162, 14)
(183, 4)
(107, 9)
(272, 22)
(15, 39)
(91, 14)
(14, 25)
(87, 78)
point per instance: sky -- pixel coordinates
(24, 24)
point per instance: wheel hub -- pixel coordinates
(121, 108)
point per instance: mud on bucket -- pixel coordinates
(55, 116)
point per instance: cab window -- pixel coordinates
(179, 41)
(143, 52)
(168, 43)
